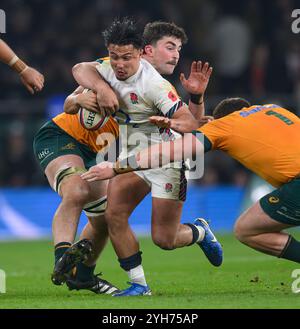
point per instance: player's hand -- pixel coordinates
(32, 79)
(107, 101)
(162, 122)
(205, 119)
(87, 100)
(199, 77)
(102, 171)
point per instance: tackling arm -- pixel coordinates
(182, 121)
(86, 75)
(155, 156)
(79, 99)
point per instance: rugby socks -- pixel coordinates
(133, 266)
(198, 233)
(291, 251)
(137, 275)
(84, 272)
(60, 249)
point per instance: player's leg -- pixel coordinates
(75, 193)
(96, 229)
(259, 231)
(261, 226)
(166, 230)
(96, 232)
(60, 157)
(125, 192)
(169, 192)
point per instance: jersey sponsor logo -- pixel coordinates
(134, 98)
(273, 199)
(70, 146)
(172, 96)
(43, 153)
(168, 187)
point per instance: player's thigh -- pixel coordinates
(166, 215)
(256, 221)
(124, 193)
(168, 194)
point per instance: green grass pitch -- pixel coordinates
(182, 278)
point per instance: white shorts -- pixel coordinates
(165, 183)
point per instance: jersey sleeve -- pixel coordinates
(164, 97)
(216, 133)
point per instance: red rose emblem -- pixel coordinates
(172, 96)
(133, 98)
(168, 187)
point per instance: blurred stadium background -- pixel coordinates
(249, 43)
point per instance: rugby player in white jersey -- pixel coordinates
(143, 93)
(162, 45)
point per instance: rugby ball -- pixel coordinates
(91, 120)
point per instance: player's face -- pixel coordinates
(124, 60)
(165, 54)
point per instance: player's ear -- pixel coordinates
(148, 50)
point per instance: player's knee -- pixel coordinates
(77, 193)
(163, 242)
(240, 232)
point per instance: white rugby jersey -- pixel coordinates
(141, 96)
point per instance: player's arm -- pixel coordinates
(87, 75)
(31, 78)
(155, 156)
(196, 85)
(78, 99)
(182, 121)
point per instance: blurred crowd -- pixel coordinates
(250, 44)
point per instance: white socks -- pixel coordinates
(136, 275)
(201, 233)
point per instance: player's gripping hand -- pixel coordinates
(101, 171)
(107, 101)
(88, 101)
(32, 79)
(161, 122)
(205, 119)
(198, 79)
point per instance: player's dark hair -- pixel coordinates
(157, 30)
(228, 106)
(124, 32)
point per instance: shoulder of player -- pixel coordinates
(103, 60)
(154, 80)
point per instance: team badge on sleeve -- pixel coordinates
(172, 96)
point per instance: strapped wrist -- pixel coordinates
(17, 64)
(126, 165)
(196, 98)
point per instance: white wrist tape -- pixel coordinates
(13, 60)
